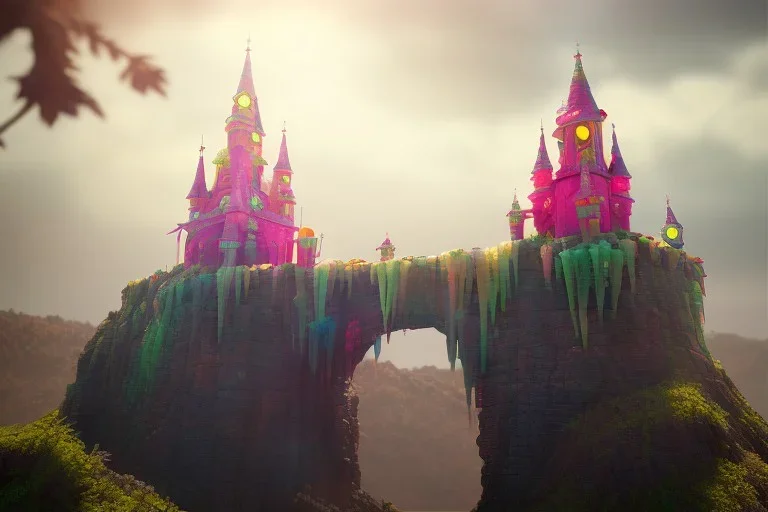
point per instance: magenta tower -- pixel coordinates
(579, 136)
(243, 219)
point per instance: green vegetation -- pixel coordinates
(711, 471)
(44, 467)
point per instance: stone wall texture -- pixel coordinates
(242, 424)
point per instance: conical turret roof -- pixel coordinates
(671, 219)
(515, 206)
(617, 167)
(581, 105)
(246, 85)
(199, 188)
(542, 159)
(385, 244)
(283, 162)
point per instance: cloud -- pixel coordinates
(425, 137)
(461, 59)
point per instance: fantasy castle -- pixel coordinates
(244, 219)
(585, 196)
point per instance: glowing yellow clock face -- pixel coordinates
(255, 137)
(672, 232)
(582, 132)
(244, 101)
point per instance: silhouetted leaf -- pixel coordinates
(144, 76)
(50, 84)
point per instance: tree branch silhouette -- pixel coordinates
(50, 84)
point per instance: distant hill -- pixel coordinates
(38, 358)
(746, 361)
(416, 447)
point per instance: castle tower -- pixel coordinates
(387, 249)
(541, 197)
(672, 232)
(579, 132)
(244, 126)
(199, 191)
(621, 201)
(516, 220)
(281, 197)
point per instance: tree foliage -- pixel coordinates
(44, 466)
(50, 84)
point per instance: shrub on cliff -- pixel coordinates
(44, 467)
(676, 446)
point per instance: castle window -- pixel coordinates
(582, 133)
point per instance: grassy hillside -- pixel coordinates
(44, 467)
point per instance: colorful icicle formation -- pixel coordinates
(594, 266)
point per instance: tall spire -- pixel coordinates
(581, 105)
(283, 163)
(199, 189)
(246, 77)
(246, 85)
(542, 159)
(617, 167)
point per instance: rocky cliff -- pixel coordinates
(230, 392)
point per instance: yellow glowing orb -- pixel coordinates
(672, 232)
(582, 132)
(255, 137)
(306, 233)
(244, 101)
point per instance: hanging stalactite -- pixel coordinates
(301, 301)
(393, 280)
(570, 287)
(629, 247)
(505, 286)
(546, 264)
(483, 285)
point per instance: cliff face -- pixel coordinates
(234, 400)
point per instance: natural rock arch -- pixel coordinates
(208, 393)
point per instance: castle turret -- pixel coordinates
(281, 195)
(387, 249)
(198, 194)
(541, 197)
(579, 132)
(672, 232)
(516, 218)
(621, 201)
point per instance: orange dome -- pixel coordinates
(306, 233)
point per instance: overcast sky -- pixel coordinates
(417, 118)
